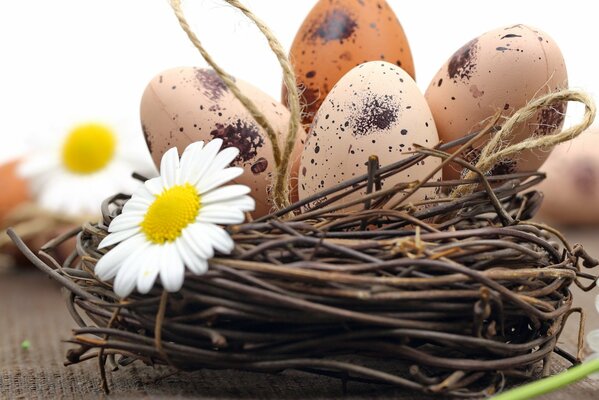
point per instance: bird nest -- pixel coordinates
(458, 293)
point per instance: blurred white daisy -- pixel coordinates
(75, 173)
(171, 221)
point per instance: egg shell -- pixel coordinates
(375, 109)
(15, 189)
(185, 105)
(571, 188)
(338, 35)
(501, 70)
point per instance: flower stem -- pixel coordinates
(551, 383)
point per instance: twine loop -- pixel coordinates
(495, 150)
(282, 154)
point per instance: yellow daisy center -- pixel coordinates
(88, 148)
(170, 213)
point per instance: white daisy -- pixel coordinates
(87, 164)
(170, 222)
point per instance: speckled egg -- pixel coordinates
(336, 36)
(375, 109)
(184, 105)
(571, 188)
(15, 190)
(501, 70)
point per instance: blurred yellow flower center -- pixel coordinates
(88, 148)
(170, 213)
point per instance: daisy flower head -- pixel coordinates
(77, 170)
(173, 221)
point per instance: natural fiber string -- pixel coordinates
(282, 159)
(494, 151)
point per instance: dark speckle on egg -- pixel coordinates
(550, 118)
(259, 166)
(374, 112)
(463, 63)
(336, 24)
(243, 135)
(210, 84)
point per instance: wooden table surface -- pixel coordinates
(32, 308)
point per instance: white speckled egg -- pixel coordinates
(184, 105)
(375, 109)
(501, 70)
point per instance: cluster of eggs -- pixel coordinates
(356, 74)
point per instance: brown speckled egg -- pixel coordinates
(375, 109)
(571, 188)
(15, 189)
(184, 105)
(500, 70)
(336, 36)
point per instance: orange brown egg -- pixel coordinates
(338, 35)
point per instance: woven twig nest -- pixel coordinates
(459, 293)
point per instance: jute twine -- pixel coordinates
(496, 150)
(281, 157)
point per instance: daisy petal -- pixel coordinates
(223, 159)
(219, 238)
(38, 164)
(135, 205)
(189, 159)
(199, 266)
(154, 186)
(243, 203)
(124, 222)
(109, 264)
(597, 302)
(168, 167)
(219, 214)
(225, 193)
(195, 264)
(117, 237)
(142, 194)
(204, 160)
(126, 277)
(194, 237)
(172, 270)
(148, 271)
(218, 179)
